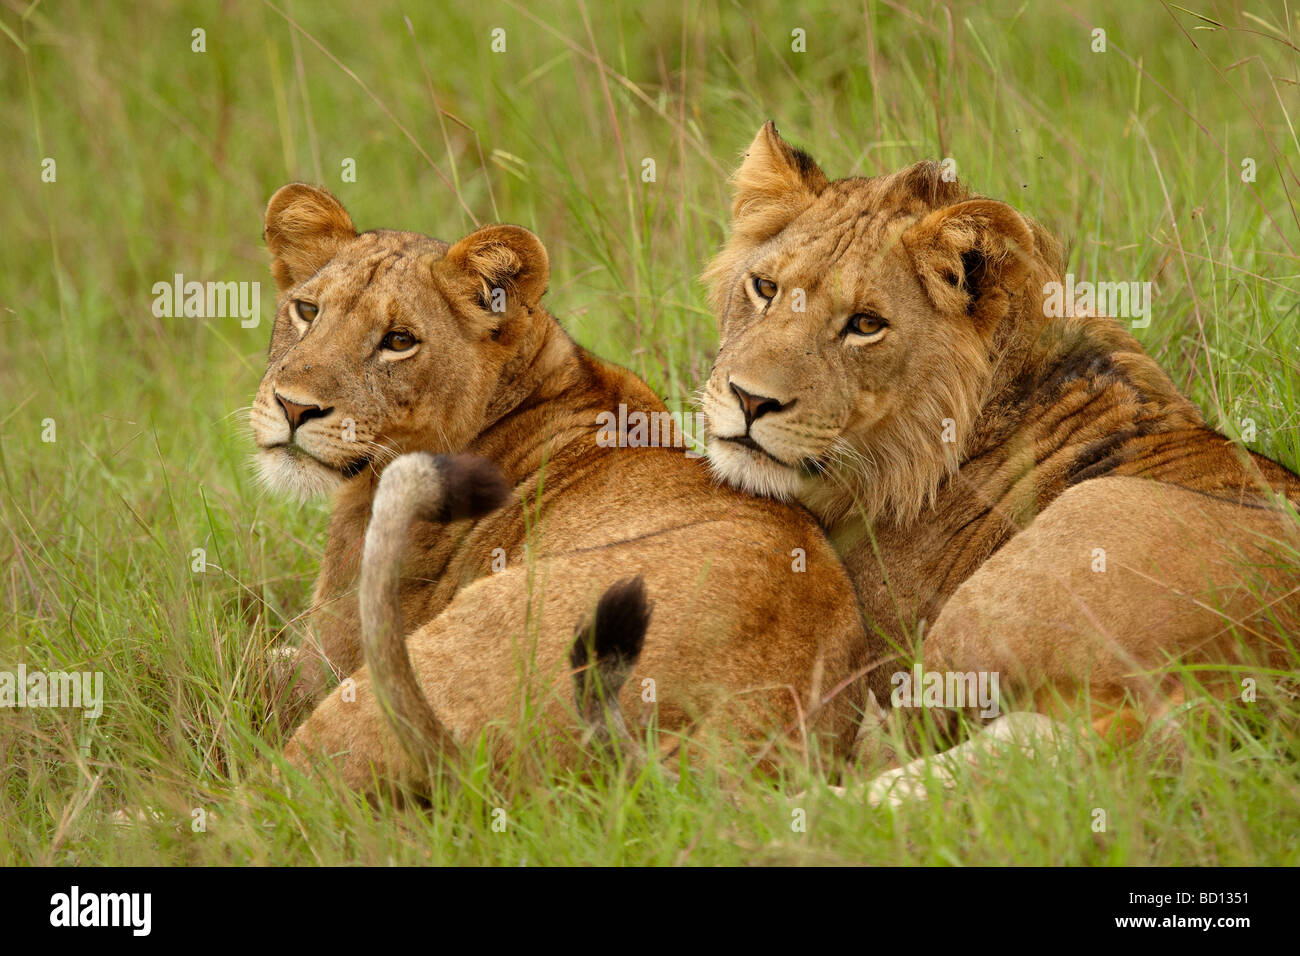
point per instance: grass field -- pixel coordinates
(1140, 156)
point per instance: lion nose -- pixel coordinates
(756, 406)
(296, 414)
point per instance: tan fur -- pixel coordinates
(412, 486)
(737, 639)
(1066, 438)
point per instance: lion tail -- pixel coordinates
(606, 647)
(437, 488)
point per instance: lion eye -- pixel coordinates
(765, 288)
(305, 310)
(398, 341)
(866, 323)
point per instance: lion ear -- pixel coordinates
(506, 258)
(774, 184)
(970, 258)
(305, 228)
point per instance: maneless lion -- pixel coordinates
(1030, 493)
(696, 605)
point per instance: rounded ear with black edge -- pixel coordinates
(504, 261)
(774, 184)
(970, 258)
(305, 228)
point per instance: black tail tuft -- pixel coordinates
(472, 487)
(613, 639)
(605, 649)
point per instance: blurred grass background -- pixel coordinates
(165, 158)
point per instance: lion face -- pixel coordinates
(384, 342)
(856, 322)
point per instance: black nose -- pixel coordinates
(296, 414)
(755, 406)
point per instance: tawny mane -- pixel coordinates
(975, 259)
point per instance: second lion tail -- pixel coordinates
(433, 488)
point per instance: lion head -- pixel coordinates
(857, 324)
(385, 342)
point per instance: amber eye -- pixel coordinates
(305, 310)
(765, 288)
(866, 323)
(398, 341)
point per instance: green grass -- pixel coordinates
(165, 159)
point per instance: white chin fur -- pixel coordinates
(749, 471)
(299, 476)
